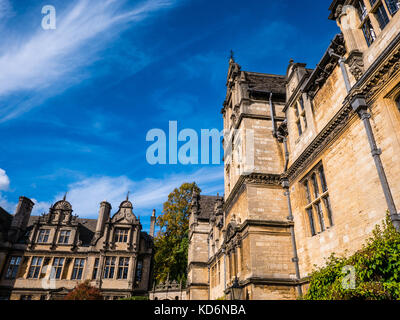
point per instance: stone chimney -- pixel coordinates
(153, 223)
(104, 215)
(20, 219)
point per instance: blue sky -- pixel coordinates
(77, 102)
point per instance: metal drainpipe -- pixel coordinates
(360, 106)
(343, 68)
(285, 185)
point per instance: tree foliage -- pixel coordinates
(84, 291)
(171, 243)
(376, 266)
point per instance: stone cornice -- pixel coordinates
(323, 139)
(269, 281)
(256, 117)
(378, 75)
(254, 178)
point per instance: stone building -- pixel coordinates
(45, 257)
(169, 290)
(325, 148)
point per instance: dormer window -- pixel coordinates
(121, 235)
(64, 237)
(43, 236)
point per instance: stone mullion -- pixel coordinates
(34, 234)
(29, 267)
(100, 271)
(132, 271)
(321, 200)
(130, 236)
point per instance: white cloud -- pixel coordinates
(87, 194)
(50, 61)
(4, 180)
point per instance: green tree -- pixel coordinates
(171, 243)
(84, 291)
(376, 266)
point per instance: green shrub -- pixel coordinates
(376, 266)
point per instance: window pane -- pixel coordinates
(318, 208)
(139, 271)
(327, 203)
(369, 32)
(322, 178)
(301, 102)
(300, 130)
(315, 185)
(311, 220)
(393, 6)
(382, 16)
(362, 9)
(308, 194)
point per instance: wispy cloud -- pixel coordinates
(50, 61)
(86, 194)
(4, 180)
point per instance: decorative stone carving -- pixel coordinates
(356, 64)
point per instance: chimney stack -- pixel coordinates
(20, 219)
(104, 215)
(153, 223)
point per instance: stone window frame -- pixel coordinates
(298, 119)
(300, 114)
(35, 268)
(43, 236)
(77, 269)
(397, 101)
(381, 14)
(13, 267)
(57, 267)
(64, 236)
(109, 267)
(139, 271)
(121, 235)
(318, 207)
(123, 267)
(95, 268)
(372, 12)
(393, 10)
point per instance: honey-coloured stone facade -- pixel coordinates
(326, 163)
(45, 257)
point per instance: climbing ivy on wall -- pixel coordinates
(375, 270)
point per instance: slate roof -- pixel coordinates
(266, 83)
(207, 204)
(5, 221)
